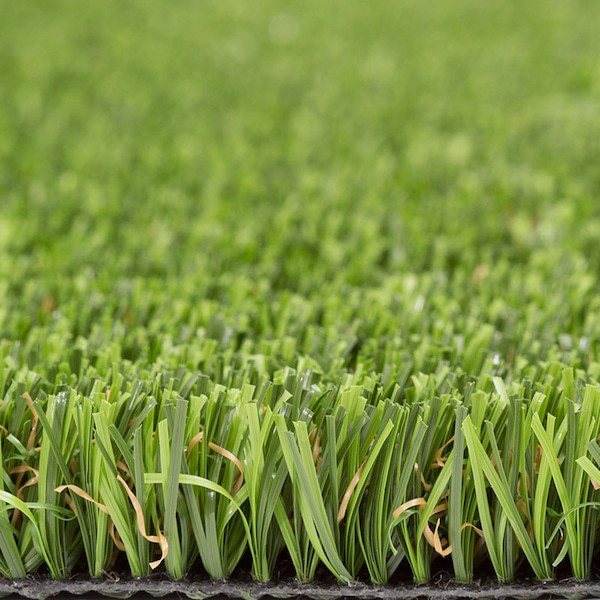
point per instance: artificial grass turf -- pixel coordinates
(350, 253)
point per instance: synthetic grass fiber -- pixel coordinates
(306, 288)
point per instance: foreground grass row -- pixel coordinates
(361, 478)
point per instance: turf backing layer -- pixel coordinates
(527, 590)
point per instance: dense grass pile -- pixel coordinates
(299, 287)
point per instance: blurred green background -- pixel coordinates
(356, 178)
